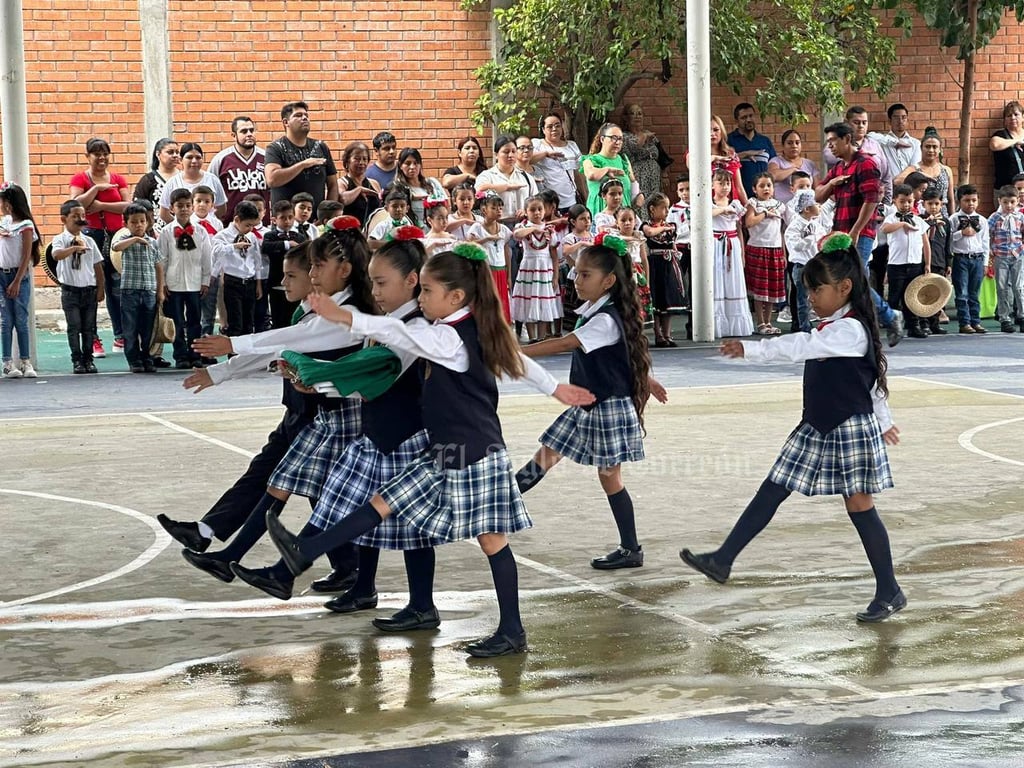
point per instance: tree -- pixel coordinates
(584, 55)
(968, 26)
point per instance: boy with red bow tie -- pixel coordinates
(188, 255)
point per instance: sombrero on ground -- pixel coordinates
(927, 294)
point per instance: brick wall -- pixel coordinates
(927, 82)
(346, 58)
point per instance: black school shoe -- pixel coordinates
(619, 558)
(90, 367)
(497, 644)
(707, 565)
(263, 581)
(408, 620)
(349, 603)
(159, 362)
(335, 581)
(217, 568)
(880, 610)
(79, 368)
(184, 533)
(287, 544)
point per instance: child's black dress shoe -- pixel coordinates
(497, 644)
(880, 610)
(706, 564)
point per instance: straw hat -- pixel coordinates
(117, 256)
(927, 294)
(50, 264)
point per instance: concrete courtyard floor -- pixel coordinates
(116, 653)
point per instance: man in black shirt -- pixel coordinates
(296, 163)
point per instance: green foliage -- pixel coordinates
(584, 55)
(951, 18)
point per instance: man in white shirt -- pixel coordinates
(901, 150)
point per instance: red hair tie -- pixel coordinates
(339, 223)
(408, 232)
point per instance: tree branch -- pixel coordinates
(630, 81)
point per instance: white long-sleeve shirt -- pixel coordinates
(841, 337)
(313, 336)
(439, 343)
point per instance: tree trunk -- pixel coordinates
(967, 103)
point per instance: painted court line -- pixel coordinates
(198, 435)
(161, 542)
(966, 440)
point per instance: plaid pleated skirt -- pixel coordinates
(354, 480)
(446, 505)
(605, 436)
(305, 467)
(850, 459)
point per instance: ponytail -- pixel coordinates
(835, 263)
(344, 241)
(464, 269)
(607, 259)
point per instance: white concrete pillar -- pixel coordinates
(698, 99)
(156, 72)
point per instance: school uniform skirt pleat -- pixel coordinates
(606, 435)
(354, 480)
(849, 459)
(456, 504)
(314, 451)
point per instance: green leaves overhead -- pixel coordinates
(585, 54)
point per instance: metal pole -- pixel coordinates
(698, 98)
(14, 108)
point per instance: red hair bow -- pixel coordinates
(339, 223)
(408, 232)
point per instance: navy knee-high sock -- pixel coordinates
(531, 474)
(366, 577)
(364, 519)
(622, 510)
(251, 531)
(875, 539)
(419, 572)
(755, 517)
(506, 586)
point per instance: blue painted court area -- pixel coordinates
(115, 653)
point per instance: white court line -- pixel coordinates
(125, 414)
(966, 440)
(198, 435)
(161, 542)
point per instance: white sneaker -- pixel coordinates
(11, 371)
(27, 370)
(785, 316)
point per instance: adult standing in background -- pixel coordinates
(931, 166)
(296, 163)
(471, 164)
(901, 150)
(511, 184)
(104, 195)
(384, 168)
(606, 161)
(782, 167)
(558, 161)
(359, 194)
(189, 177)
(164, 163)
(643, 150)
(724, 158)
(752, 148)
(1007, 145)
(240, 168)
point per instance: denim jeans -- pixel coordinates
(1008, 289)
(111, 279)
(967, 274)
(79, 305)
(209, 306)
(184, 308)
(864, 246)
(138, 313)
(15, 310)
(802, 305)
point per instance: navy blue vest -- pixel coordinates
(460, 410)
(397, 415)
(836, 388)
(606, 371)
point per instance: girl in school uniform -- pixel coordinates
(339, 260)
(839, 446)
(462, 487)
(610, 358)
(393, 436)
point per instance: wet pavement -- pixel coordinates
(116, 653)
